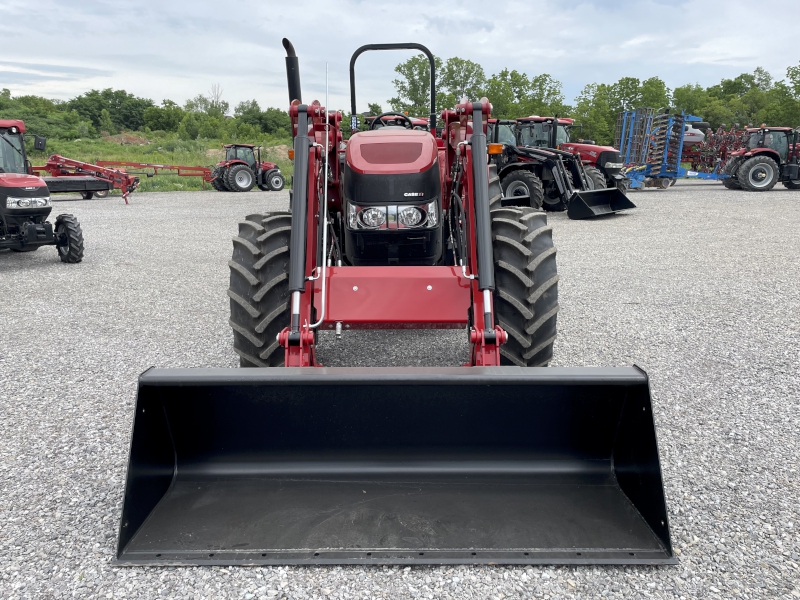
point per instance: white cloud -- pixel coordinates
(179, 49)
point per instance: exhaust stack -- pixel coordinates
(292, 72)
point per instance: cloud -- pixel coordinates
(177, 49)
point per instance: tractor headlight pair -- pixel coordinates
(393, 217)
(39, 202)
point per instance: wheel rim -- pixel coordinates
(276, 181)
(244, 178)
(761, 175)
(517, 188)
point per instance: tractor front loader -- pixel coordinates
(499, 461)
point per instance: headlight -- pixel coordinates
(39, 202)
(610, 165)
(393, 217)
(372, 218)
(410, 217)
(433, 215)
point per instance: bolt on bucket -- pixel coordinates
(596, 203)
(394, 466)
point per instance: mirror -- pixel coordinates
(546, 127)
(39, 143)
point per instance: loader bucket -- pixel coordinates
(596, 203)
(391, 466)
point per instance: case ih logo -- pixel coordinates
(414, 194)
(29, 188)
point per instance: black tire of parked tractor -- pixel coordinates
(101, 194)
(526, 285)
(87, 195)
(259, 288)
(73, 251)
(218, 181)
(275, 182)
(240, 178)
(731, 183)
(792, 184)
(758, 174)
(596, 178)
(522, 182)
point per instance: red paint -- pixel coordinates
(19, 180)
(395, 297)
(6, 123)
(385, 143)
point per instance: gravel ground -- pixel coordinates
(699, 286)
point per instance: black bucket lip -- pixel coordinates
(183, 377)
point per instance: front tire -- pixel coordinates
(596, 178)
(526, 285)
(87, 195)
(275, 182)
(239, 178)
(522, 183)
(731, 183)
(259, 288)
(758, 174)
(792, 184)
(72, 251)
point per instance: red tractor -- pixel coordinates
(243, 169)
(25, 202)
(603, 163)
(770, 155)
(295, 463)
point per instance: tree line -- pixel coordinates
(107, 112)
(749, 99)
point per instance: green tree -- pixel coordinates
(125, 110)
(594, 112)
(166, 117)
(275, 121)
(374, 109)
(462, 78)
(248, 111)
(654, 93)
(690, 98)
(413, 87)
(106, 124)
(189, 128)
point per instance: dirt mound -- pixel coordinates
(214, 153)
(278, 152)
(127, 139)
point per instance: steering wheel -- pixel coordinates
(408, 124)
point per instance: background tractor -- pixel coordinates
(25, 202)
(770, 155)
(496, 461)
(532, 167)
(243, 169)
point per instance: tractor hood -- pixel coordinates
(587, 149)
(20, 180)
(390, 150)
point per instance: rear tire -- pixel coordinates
(218, 183)
(259, 288)
(520, 183)
(758, 174)
(239, 178)
(596, 178)
(526, 282)
(73, 251)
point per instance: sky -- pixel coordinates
(177, 49)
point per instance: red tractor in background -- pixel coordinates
(243, 169)
(770, 155)
(25, 202)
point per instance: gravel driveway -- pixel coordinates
(700, 286)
